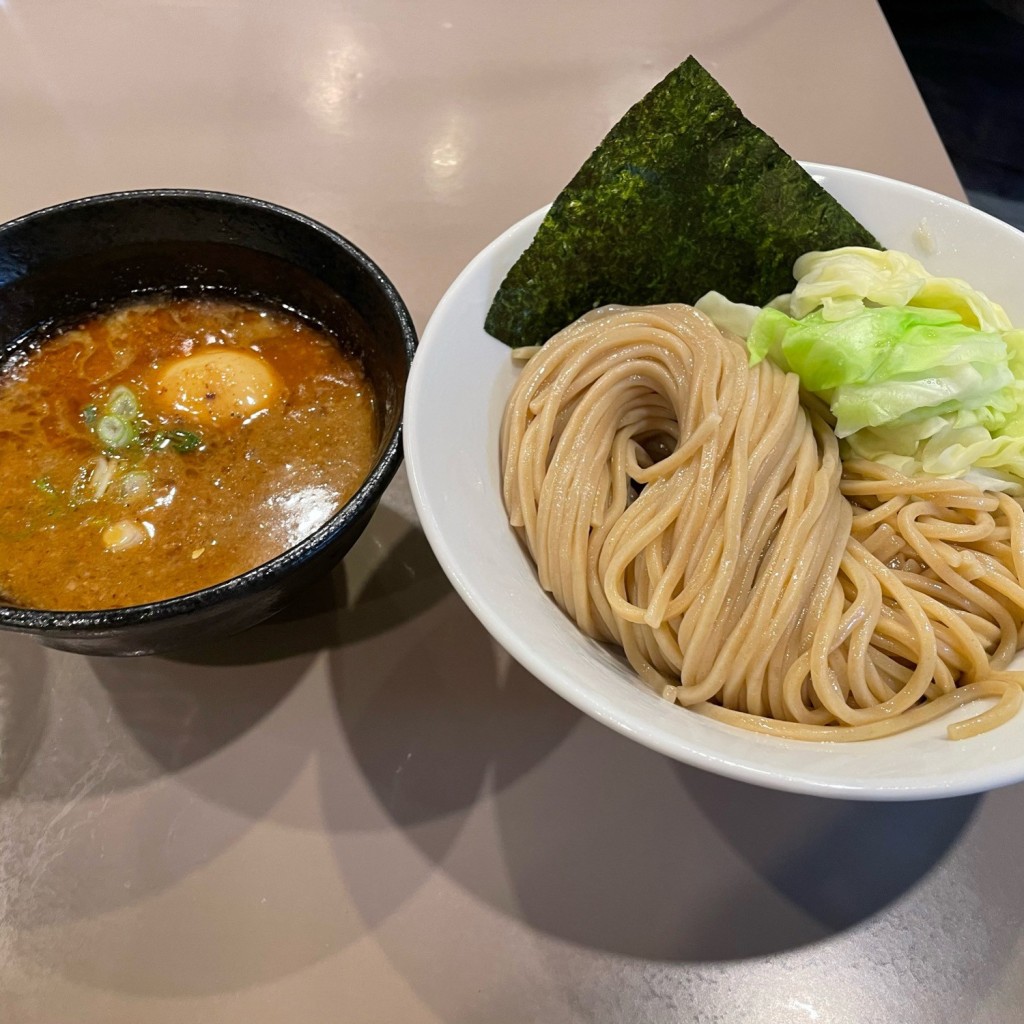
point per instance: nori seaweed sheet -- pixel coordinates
(683, 196)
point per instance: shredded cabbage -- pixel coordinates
(732, 317)
(924, 374)
(888, 365)
(842, 281)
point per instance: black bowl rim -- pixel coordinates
(262, 576)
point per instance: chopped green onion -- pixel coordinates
(44, 484)
(89, 414)
(182, 441)
(135, 486)
(122, 403)
(185, 441)
(114, 432)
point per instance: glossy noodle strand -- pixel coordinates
(690, 509)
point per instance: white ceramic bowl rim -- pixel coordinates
(457, 388)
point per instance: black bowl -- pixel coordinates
(68, 260)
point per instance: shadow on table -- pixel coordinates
(177, 710)
(594, 839)
(24, 707)
(428, 722)
(180, 714)
(666, 862)
(839, 861)
(188, 705)
(74, 731)
(389, 577)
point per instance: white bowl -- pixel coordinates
(457, 389)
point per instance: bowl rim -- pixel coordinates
(267, 573)
(625, 721)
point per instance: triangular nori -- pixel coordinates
(683, 196)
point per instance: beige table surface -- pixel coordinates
(362, 811)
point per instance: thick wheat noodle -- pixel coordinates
(688, 508)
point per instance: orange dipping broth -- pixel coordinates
(245, 428)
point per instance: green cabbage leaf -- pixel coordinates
(890, 365)
(921, 373)
(842, 281)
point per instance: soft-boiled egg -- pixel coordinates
(218, 386)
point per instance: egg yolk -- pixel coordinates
(219, 387)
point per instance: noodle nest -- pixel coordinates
(693, 511)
